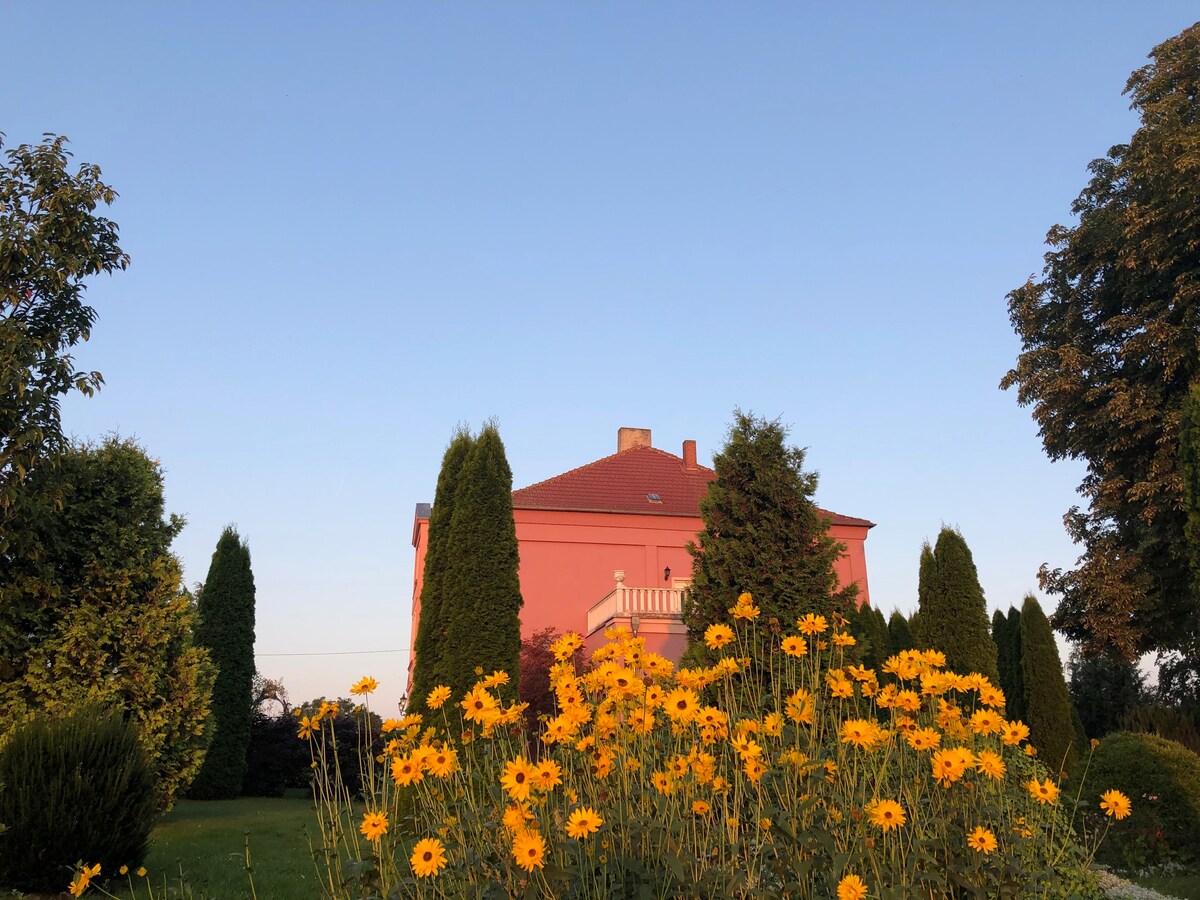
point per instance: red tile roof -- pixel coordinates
(626, 482)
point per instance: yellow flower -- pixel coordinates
(428, 857)
(950, 764)
(1115, 804)
(365, 685)
(80, 884)
(124, 870)
(547, 775)
(843, 639)
(851, 888)
(794, 646)
(887, 814)
(1014, 733)
(517, 778)
(982, 840)
(860, 733)
(529, 849)
(717, 636)
(986, 721)
(406, 771)
(496, 679)
(374, 826)
(141, 872)
(306, 727)
(1043, 792)
(745, 608)
(681, 704)
(437, 697)
(701, 808)
(812, 624)
(442, 763)
(990, 764)
(516, 816)
(662, 782)
(479, 706)
(583, 821)
(564, 648)
(753, 768)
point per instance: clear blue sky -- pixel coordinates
(355, 225)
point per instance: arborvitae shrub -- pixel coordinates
(1162, 779)
(1165, 722)
(77, 788)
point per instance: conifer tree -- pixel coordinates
(762, 534)
(481, 599)
(432, 627)
(1000, 639)
(952, 607)
(870, 629)
(1049, 705)
(226, 628)
(880, 636)
(1014, 691)
(900, 636)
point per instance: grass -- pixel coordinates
(1186, 887)
(207, 839)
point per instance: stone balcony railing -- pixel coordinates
(630, 603)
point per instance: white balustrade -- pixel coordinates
(624, 602)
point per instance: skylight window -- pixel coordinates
(654, 498)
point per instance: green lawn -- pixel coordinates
(208, 839)
(1186, 887)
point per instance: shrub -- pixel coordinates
(1168, 722)
(76, 787)
(274, 759)
(1162, 778)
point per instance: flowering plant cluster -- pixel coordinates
(785, 769)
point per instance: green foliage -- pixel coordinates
(226, 628)
(1164, 722)
(51, 241)
(432, 628)
(91, 607)
(75, 787)
(1109, 355)
(481, 600)
(952, 607)
(870, 629)
(1162, 779)
(900, 636)
(1048, 710)
(275, 759)
(1104, 689)
(1006, 634)
(763, 534)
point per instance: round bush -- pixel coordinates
(1162, 779)
(75, 788)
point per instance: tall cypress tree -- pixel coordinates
(226, 628)
(1049, 712)
(1000, 639)
(1014, 691)
(481, 600)
(953, 610)
(900, 636)
(432, 627)
(763, 534)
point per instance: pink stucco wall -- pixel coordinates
(568, 559)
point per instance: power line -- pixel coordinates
(338, 652)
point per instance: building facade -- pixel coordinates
(605, 544)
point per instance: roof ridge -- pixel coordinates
(604, 459)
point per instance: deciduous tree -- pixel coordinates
(226, 628)
(51, 242)
(762, 533)
(92, 609)
(1109, 353)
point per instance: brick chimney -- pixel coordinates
(628, 438)
(689, 456)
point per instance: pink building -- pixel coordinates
(605, 543)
